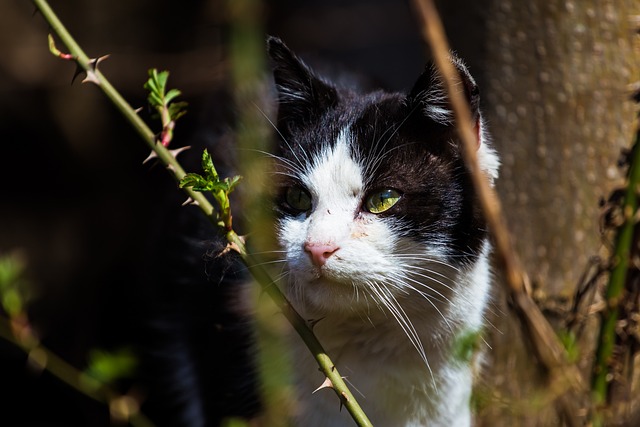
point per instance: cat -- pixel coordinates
(385, 245)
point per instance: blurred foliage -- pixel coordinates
(13, 285)
(110, 367)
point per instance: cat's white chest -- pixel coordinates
(391, 382)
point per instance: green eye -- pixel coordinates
(382, 201)
(298, 198)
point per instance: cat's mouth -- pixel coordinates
(326, 278)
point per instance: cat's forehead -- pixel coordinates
(334, 168)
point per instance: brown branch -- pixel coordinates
(548, 349)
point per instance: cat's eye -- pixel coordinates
(381, 201)
(298, 198)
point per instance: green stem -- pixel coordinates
(64, 371)
(169, 160)
(300, 325)
(617, 281)
(83, 61)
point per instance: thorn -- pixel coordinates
(95, 61)
(314, 322)
(92, 77)
(325, 384)
(230, 247)
(171, 168)
(152, 155)
(177, 151)
(190, 201)
(78, 71)
(137, 110)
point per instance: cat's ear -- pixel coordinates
(302, 95)
(429, 95)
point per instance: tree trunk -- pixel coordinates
(558, 100)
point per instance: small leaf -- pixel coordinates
(150, 84)
(194, 180)
(234, 181)
(108, 367)
(465, 345)
(177, 110)
(12, 302)
(173, 93)
(13, 287)
(208, 167)
(162, 78)
(570, 343)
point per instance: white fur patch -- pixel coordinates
(487, 156)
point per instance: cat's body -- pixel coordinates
(385, 252)
(385, 245)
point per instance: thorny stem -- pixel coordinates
(94, 75)
(549, 350)
(617, 280)
(172, 164)
(300, 325)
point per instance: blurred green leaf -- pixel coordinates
(234, 422)
(12, 285)
(570, 343)
(108, 367)
(12, 302)
(465, 345)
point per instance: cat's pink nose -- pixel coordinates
(320, 252)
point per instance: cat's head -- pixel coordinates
(374, 201)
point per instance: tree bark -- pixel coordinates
(560, 111)
(557, 84)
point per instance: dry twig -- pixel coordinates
(542, 337)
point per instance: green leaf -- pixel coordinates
(162, 78)
(13, 287)
(177, 110)
(570, 343)
(208, 167)
(198, 182)
(108, 367)
(12, 302)
(151, 83)
(173, 93)
(234, 181)
(465, 345)
(10, 271)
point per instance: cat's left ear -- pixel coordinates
(430, 97)
(302, 95)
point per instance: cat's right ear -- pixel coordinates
(302, 96)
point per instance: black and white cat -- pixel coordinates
(384, 241)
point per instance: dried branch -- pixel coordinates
(549, 350)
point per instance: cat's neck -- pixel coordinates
(392, 381)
